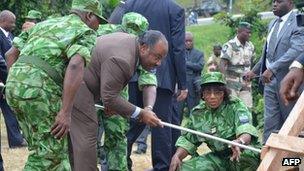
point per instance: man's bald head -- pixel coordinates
(7, 20)
(189, 40)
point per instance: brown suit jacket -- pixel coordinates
(113, 63)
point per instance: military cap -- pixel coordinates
(34, 15)
(134, 23)
(213, 77)
(244, 24)
(89, 6)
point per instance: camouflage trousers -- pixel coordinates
(36, 110)
(115, 141)
(249, 161)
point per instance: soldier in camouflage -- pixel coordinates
(222, 116)
(33, 17)
(213, 61)
(115, 127)
(236, 59)
(52, 51)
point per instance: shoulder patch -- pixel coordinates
(225, 47)
(244, 119)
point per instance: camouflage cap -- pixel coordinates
(33, 14)
(213, 77)
(134, 23)
(244, 24)
(89, 6)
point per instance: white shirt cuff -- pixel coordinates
(296, 64)
(136, 112)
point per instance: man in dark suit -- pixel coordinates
(195, 64)
(7, 24)
(169, 18)
(284, 43)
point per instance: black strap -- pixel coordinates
(46, 67)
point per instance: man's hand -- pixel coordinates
(175, 163)
(249, 76)
(108, 112)
(182, 96)
(62, 124)
(149, 117)
(290, 85)
(267, 76)
(236, 152)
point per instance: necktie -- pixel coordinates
(274, 37)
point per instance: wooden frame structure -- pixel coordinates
(286, 143)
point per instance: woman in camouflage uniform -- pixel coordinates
(222, 116)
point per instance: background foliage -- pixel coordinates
(47, 7)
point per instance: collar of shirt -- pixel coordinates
(6, 33)
(238, 43)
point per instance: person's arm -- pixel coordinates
(114, 77)
(149, 96)
(196, 66)
(72, 79)
(177, 159)
(226, 56)
(11, 56)
(178, 48)
(296, 48)
(292, 81)
(244, 128)
(147, 82)
(223, 65)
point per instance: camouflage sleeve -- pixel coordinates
(226, 52)
(107, 29)
(124, 93)
(19, 41)
(146, 78)
(83, 46)
(188, 141)
(243, 120)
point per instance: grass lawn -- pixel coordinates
(205, 36)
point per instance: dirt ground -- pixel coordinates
(14, 159)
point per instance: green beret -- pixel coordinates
(213, 77)
(89, 6)
(244, 24)
(34, 15)
(134, 23)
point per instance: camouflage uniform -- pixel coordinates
(239, 58)
(34, 94)
(228, 121)
(116, 127)
(34, 15)
(213, 60)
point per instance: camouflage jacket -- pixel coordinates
(228, 121)
(57, 40)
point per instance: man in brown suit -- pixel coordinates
(114, 61)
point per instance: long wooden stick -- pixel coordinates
(211, 137)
